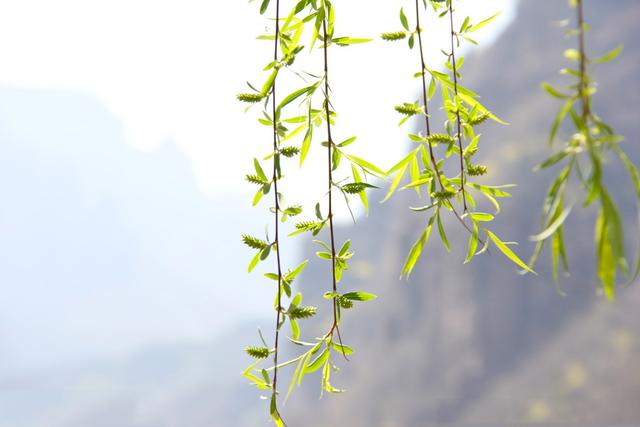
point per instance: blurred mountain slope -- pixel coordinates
(455, 345)
(432, 348)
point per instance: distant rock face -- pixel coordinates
(433, 351)
(103, 248)
(454, 345)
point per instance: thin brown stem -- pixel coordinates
(330, 147)
(458, 121)
(583, 85)
(425, 98)
(274, 385)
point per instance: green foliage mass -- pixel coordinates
(309, 27)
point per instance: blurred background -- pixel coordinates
(124, 295)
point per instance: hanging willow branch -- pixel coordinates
(318, 16)
(464, 113)
(583, 155)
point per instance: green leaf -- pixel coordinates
(359, 296)
(289, 276)
(295, 376)
(468, 99)
(317, 362)
(269, 83)
(552, 160)
(306, 144)
(345, 248)
(631, 169)
(465, 25)
(295, 95)
(254, 262)
(372, 169)
(416, 250)
(614, 223)
(258, 196)
(347, 142)
(552, 227)
(362, 194)
(553, 91)
(609, 56)
(481, 216)
(494, 190)
(396, 181)
(606, 259)
(346, 41)
(401, 168)
(559, 118)
(403, 20)
(342, 349)
(432, 88)
(443, 234)
(264, 254)
(275, 415)
(259, 170)
(508, 252)
(473, 244)
(476, 27)
(264, 6)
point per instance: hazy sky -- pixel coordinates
(167, 73)
(170, 70)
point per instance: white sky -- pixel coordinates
(169, 70)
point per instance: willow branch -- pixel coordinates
(274, 385)
(458, 121)
(334, 282)
(425, 98)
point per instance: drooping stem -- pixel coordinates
(425, 98)
(583, 85)
(458, 120)
(274, 385)
(327, 111)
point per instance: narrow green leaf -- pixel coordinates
(259, 170)
(254, 262)
(275, 415)
(559, 118)
(372, 169)
(362, 194)
(609, 56)
(306, 144)
(396, 181)
(269, 83)
(553, 91)
(443, 234)
(295, 95)
(481, 216)
(346, 41)
(317, 362)
(264, 6)
(473, 244)
(552, 160)
(631, 169)
(479, 25)
(403, 20)
(416, 250)
(359, 296)
(552, 227)
(508, 252)
(295, 329)
(345, 350)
